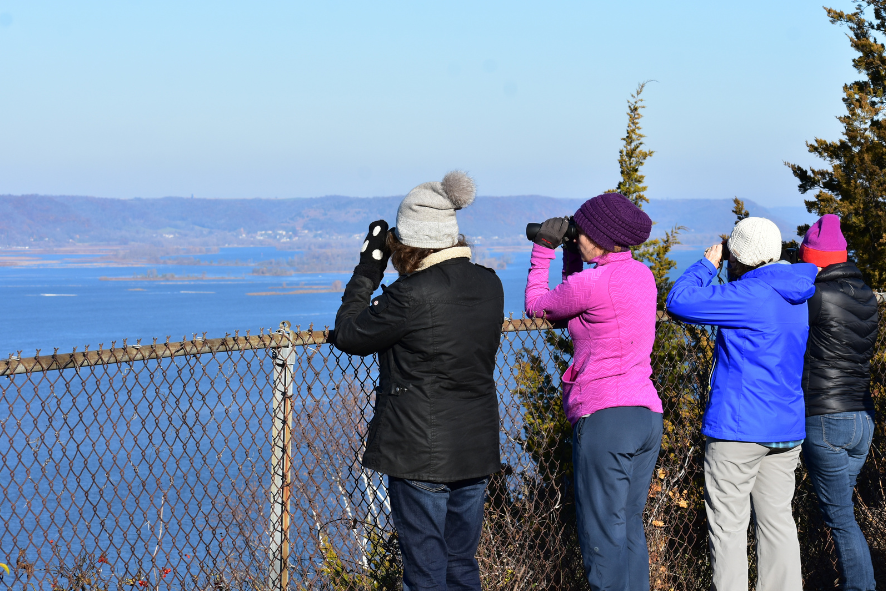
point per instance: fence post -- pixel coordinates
(281, 463)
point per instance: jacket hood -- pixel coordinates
(795, 283)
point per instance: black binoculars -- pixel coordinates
(726, 254)
(570, 235)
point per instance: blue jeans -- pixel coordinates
(438, 528)
(835, 449)
(614, 452)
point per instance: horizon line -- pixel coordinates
(259, 198)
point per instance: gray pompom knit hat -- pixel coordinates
(426, 218)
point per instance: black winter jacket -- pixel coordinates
(843, 321)
(437, 334)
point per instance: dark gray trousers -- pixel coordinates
(614, 452)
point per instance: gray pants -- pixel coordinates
(737, 474)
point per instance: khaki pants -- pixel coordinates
(737, 474)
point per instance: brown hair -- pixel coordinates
(407, 259)
(740, 268)
(615, 248)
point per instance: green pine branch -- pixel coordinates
(632, 156)
(631, 159)
(853, 185)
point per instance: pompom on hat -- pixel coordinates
(755, 241)
(426, 217)
(824, 243)
(611, 220)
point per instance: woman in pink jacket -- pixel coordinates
(608, 396)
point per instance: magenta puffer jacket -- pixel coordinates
(611, 318)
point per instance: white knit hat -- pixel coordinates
(426, 217)
(755, 241)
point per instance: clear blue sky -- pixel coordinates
(127, 98)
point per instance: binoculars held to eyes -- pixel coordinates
(570, 235)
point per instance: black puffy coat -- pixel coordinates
(437, 333)
(843, 321)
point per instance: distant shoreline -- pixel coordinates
(297, 291)
(172, 278)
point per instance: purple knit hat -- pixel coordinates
(611, 220)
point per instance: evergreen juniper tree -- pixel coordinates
(853, 185)
(631, 158)
(740, 211)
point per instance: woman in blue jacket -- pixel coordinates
(755, 418)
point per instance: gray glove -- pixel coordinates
(551, 233)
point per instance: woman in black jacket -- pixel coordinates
(843, 322)
(436, 425)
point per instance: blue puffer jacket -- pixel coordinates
(755, 387)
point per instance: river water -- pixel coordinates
(93, 459)
(60, 302)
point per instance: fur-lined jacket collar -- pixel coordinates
(456, 252)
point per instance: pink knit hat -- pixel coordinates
(824, 244)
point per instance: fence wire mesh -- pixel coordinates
(235, 464)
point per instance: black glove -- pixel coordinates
(551, 233)
(374, 253)
(571, 245)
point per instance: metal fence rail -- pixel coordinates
(234, 463)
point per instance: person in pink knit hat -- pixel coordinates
(608, 395)
(843, 322)
(824, 243)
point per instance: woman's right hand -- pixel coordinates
(551, 233)
(714, 254)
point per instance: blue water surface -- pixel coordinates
(65, 306)
(91, 457)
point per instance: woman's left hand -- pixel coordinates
(714, 254)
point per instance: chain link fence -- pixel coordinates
(235, 464)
